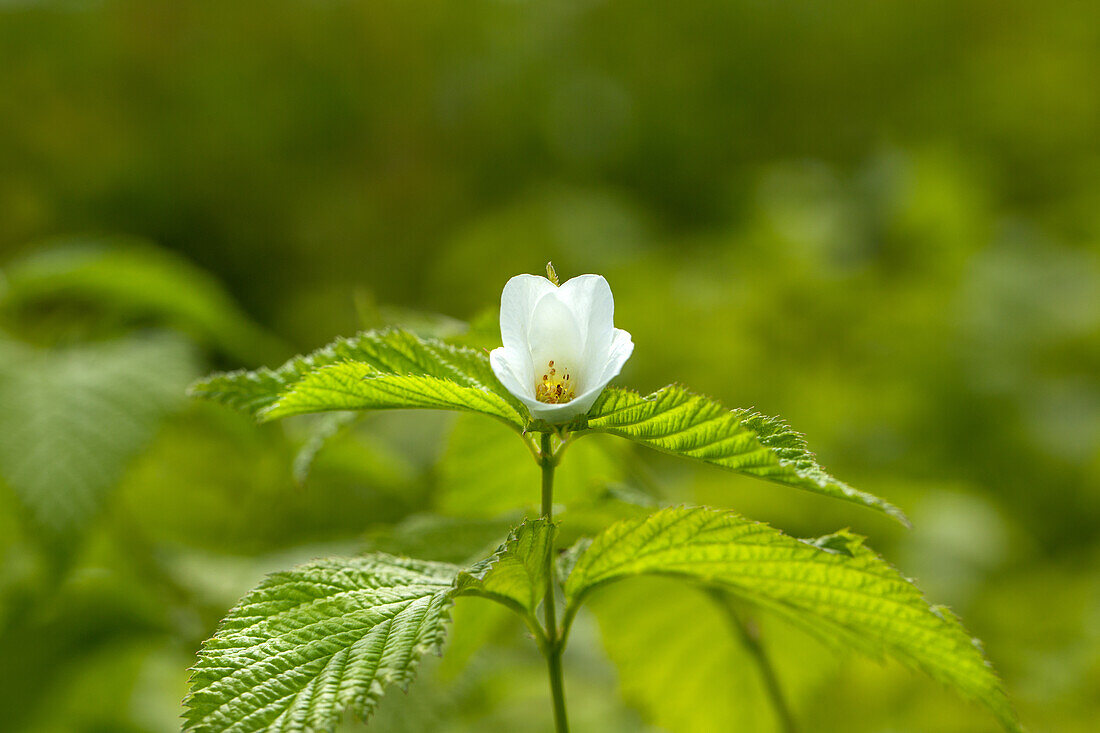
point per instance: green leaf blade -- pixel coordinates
(310, 642)
(516, 574)
(359, 386)
(385, 369)
(849, 598)
(73, 418)
(675, 421)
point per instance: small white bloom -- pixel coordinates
(561, 347)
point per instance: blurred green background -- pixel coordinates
(878, 219)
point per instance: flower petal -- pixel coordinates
(621, 348)
(517, 304)
(590, 299)
(514, 371)
(555, 334)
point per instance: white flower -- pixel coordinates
(561, 347)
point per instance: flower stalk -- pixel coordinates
(554, 638)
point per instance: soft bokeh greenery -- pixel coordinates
(878, 219)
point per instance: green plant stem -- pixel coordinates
(750, 639)
(553, 647)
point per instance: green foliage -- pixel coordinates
(394, 369)
(833, 587)
(129, 281)
(374, 370)
(448, 539)
(887, 245)
(852, 599)
(312, 641)
(516, 574)
(72, 418)
(356, 386)
(323, 429)
(486, 472)
(330, 635)
(674, 420)
(684, 677)
(233, 492)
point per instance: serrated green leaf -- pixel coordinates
(854, 600)
(516, 574)
(72, 418)
(375, 370)
(676, 421)
(358, 386)
(308, 643)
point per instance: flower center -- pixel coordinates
(555, 386)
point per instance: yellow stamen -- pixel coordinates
(555, 388)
